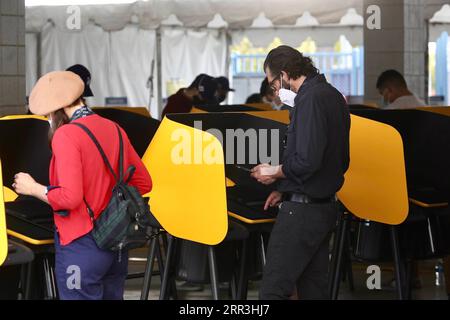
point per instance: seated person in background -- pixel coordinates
(394, 91)
(223, 89)
(201, 91)
(254, 98)
(268, 96)
(85, 75)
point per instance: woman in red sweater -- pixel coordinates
(78, 172)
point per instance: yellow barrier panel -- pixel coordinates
(279, 116)
(197, 110)
(3, 237)
(260, 106)
(23, 116)
(440, 110)
(375, 184)
(143, 111)
(9, 195)
(188, 198)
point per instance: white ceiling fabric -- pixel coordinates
(193, 13)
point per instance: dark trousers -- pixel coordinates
(298, 252)
(85, 272)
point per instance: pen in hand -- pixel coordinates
(244, 168)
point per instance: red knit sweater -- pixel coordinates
(77, 170)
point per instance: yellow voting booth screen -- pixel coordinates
(375, 184)
(3, 238)
(189, 194)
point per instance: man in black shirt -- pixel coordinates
(315, 159)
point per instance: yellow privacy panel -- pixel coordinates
(23, 116)
(189, 193)
(279, 116)
(196, 110)
(3, 238)
(9, 195)
(230, 183)
(375, 184)
(440, 110)
(143, 111)
(260, 106)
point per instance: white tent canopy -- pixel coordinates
(120, 42)
(194, 13)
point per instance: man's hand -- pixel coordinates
(25, 184)
(273, 199)
(267, 174)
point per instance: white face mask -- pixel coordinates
(286, 96)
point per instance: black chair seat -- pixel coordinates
(18, 254)
(236, 231)
(30, 209)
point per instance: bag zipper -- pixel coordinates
(120, 252)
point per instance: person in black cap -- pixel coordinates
(223, 89)
(201, 91)
(85, 75)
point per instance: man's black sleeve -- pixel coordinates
(311, 140)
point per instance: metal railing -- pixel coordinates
(344, 70)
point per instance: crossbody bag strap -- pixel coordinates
(99, 147)
(105, 159)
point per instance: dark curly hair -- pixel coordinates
(290, 60)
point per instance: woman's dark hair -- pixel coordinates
(254, 98)
(60, 118)
(265, 88)
(290, 60)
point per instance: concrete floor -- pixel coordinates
(428, 290)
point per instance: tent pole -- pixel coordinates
(39, 55)
(159, 72)
(228, 63)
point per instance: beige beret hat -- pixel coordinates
(54, 91)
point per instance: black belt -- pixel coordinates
(303, 198)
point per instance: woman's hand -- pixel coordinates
(273, 199)
(24, 184)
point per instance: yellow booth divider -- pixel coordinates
(188, 198)
(3, 237)
(143, 111)
(260, 106)
(9, 195)
(197, 110)
(279, 116)
(375, 184)
(23, 116)
(440, 110)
